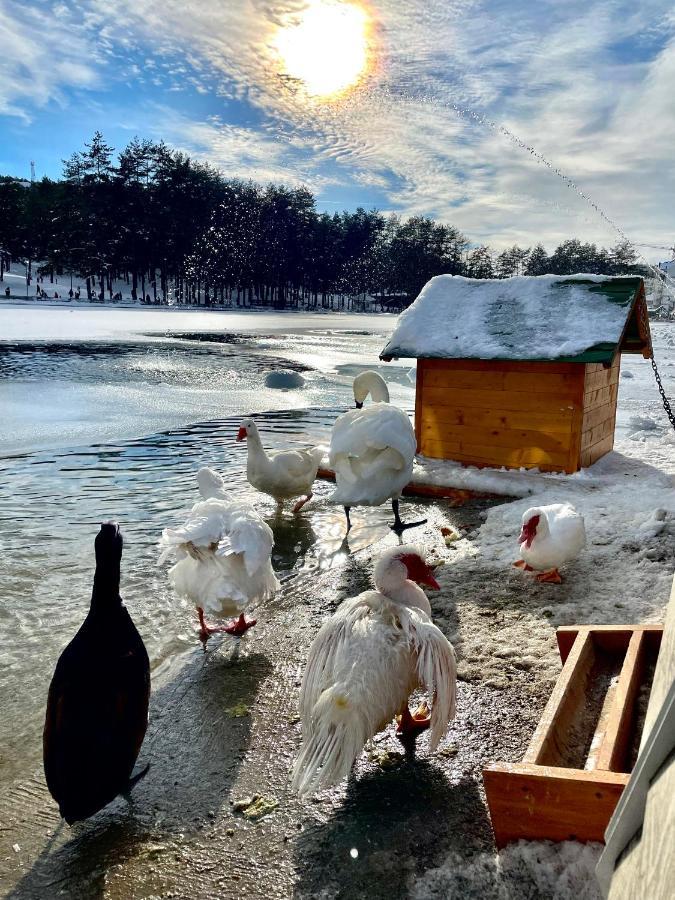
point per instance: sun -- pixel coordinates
(326, 47)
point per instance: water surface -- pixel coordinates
(116, 426)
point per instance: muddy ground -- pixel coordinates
(223, 728)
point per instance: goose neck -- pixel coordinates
(105, 594)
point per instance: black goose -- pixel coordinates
(97, 709)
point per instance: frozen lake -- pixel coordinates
(76, 376)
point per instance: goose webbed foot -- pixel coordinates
(298, 506)
(399, 526)
(553, 576)
(236, 628)
(239, 627)
(411, 725)
(521, 564)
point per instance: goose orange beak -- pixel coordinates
(241, 435)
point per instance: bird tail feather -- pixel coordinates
(339, 731)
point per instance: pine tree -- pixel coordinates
(538, 262)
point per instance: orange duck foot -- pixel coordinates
(410, 726)
(240, 626)
(298, 506)
(551, 577)
(236, 628)
(521, 564)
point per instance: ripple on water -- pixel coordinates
(51, 504)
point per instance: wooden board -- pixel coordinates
(489, 418)
(540, 383)
(612, 749)
(641, 835)
(599, 415)
(556, 442)
(456, 496)
(577, 762)
(501, 400)
(610, 637)
(492, 365)
(485, 455)
(514, 415)
(533, 802)
(567, 695)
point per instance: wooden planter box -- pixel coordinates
(584, 748)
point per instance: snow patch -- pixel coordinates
(542, 317)
(522, 871)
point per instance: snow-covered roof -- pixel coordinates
(578, 318)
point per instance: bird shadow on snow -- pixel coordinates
(197, 738)
(392, 825)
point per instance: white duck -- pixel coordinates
(283, 474)
(224, 550)
(550, 536)
(363, 665)
(372, 451)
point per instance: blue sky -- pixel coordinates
(455, 93)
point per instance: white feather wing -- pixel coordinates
(372, 452)
(329, 648)
(224, 556)
(436, 669)
(359, 674)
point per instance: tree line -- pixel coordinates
(177, 230)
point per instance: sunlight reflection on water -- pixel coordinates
(52, 499)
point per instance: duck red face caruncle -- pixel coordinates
(419, 571)
(529, 531)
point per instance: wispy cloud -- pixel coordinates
(238, 151)
(587, 84)
(43, 52)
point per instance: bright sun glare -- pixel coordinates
(326, 48)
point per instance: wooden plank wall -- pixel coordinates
(647, 867)
(601, 387)
(499, 413)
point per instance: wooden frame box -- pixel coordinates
(584, 748)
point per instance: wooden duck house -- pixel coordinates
(520, 372)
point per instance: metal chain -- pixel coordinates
(643, 318)
(666, 402)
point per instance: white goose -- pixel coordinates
(224, 550)
(372, 451)
(283, 474)
(363, 665)
(550, 536)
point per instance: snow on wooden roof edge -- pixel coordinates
(577, 318)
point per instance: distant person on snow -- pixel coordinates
(56, 296)
(77, 294)
(70, 293)
(7, 292)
